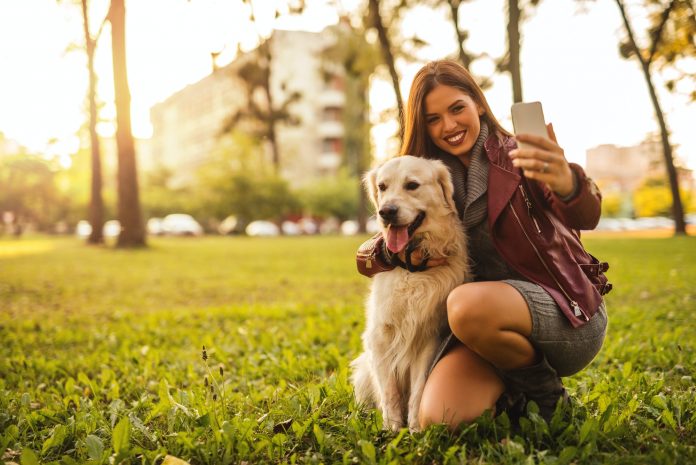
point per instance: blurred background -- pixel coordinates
(122, 119)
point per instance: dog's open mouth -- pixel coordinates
(397, 237)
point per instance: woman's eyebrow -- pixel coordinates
(460, 101)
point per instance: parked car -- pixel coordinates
(290, 228)
(154, 227)
(181, 224)
(231, 225)
(112, 228)
(372, 227)
(262, 228)
(83, 229)
(350, 228)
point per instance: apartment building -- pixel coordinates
(623, 169)
(187, 126)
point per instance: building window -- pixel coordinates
(336, 82)
(332, 114)
(332, 145)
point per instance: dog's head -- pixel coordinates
(410, 194)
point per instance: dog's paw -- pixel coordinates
(393, 425)
(413, 423)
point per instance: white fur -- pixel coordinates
(406, 312)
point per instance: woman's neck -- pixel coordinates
(465, 159)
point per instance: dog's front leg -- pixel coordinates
(391, 403)
(418, 379)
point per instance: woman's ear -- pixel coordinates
(370, 183)
(445, 180)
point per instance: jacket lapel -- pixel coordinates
(502, 181)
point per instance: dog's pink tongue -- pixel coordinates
(397, 238)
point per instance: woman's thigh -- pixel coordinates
(459, 388)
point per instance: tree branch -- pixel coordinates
(658, 33)
(631, 37)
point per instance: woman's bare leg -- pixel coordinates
(493, 322)
(460, 388)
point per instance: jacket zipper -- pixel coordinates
(529, 209)
(576, 308)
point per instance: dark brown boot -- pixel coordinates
(539, 383)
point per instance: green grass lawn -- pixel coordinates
(101, 359)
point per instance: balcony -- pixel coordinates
(329, 161)
(330, 129)
(332, 98)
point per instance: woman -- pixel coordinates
(535, 310)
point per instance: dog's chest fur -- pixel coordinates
(410, 310)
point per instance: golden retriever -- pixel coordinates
(406, 310)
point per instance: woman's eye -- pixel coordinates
(382, 187)
(457, 109)
(431, 120)
(412, 186)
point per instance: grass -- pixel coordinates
(101, 359)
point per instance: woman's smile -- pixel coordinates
(456, 139)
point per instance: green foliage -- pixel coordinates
(611, 205)
(159, 198)
(99, 365)
(237, 181)
(654, 198)
(29, 190)
(337, 197)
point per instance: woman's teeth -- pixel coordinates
(455, 139)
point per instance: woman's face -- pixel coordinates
(452, 119)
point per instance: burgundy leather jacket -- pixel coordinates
(536, 233)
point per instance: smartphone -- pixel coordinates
(528, 118)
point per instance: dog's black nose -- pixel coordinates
(389, 212)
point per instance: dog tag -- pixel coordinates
(368, 263)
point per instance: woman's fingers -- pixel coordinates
(535, 164)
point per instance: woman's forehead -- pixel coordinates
(442, 96)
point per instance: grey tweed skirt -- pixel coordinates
(567, 349)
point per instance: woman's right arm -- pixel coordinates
(370, 258)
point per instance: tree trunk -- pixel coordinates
(513, 30)
(272, 120)
(677, 207)
(388, 57)
(464, 57)
(96, 202)
(132, 232)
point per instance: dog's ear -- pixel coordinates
(370, 183)
(445, 180)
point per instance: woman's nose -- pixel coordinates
(449, 123)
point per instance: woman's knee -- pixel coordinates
(467, 314)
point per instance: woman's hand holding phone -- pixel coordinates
(539, 156)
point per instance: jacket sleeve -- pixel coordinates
(584, 209)
(370, 258)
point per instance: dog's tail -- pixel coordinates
(362, 381)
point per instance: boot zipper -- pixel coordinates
(576, 308)
(529, 209)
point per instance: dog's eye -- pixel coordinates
(382, 187)
(412, 186)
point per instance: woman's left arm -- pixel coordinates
(573, 197)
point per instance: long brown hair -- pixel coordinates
(441, 72)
